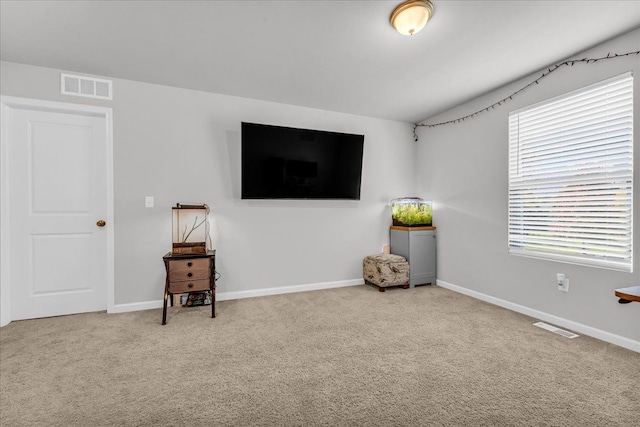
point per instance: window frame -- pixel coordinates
(522, 231)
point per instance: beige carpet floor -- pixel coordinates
(341, 357)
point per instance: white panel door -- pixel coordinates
(58, 193)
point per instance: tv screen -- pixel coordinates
(288, 163)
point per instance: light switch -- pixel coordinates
(148, 202)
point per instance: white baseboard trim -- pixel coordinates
(224, 296)
(135, 306)
(558, 321)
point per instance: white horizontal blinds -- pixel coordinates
(571, 174)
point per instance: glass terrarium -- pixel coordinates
(190, 229)
(411, 212)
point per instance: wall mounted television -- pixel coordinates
(289, 163)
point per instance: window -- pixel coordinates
(571, 177)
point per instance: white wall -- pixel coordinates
(463, 168)
(184, 146)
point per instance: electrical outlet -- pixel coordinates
(563, 282)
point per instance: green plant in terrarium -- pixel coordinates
(411, 212)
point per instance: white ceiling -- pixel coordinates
(333, 55)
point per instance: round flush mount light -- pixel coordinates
(411, 16)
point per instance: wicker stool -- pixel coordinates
(385, 270)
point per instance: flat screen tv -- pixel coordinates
(289, 163)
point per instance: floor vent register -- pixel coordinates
(555, 330)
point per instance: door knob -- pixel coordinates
(101, 223)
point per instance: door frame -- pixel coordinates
(7, 105)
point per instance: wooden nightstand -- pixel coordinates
(189, 273)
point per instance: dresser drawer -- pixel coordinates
(189, 269)
(190, 286)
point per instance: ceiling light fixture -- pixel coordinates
(411, 16)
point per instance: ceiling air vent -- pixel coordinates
(89, 87)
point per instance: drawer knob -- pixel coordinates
(190, 274)
(190, 285)
(189, 264)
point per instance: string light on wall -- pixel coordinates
(411, 16)
(550, 70)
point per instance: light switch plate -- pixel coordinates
(148, 202)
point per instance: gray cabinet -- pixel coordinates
(418, 246)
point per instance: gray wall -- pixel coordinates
(184, 146)
(463, 168)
